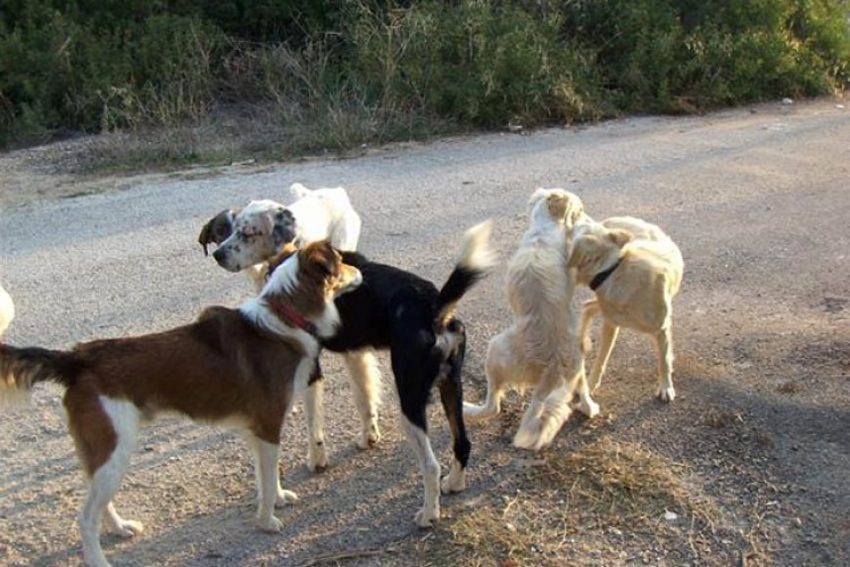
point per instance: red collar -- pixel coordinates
(291, 317)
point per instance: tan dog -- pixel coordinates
(540, 349)
(635, 270)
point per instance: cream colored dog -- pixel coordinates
(635, 270)
(540, 349)
(7, 310)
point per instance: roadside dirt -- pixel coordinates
(749, 465)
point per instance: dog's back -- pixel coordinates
(326, 213)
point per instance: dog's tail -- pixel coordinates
(476, 258)
(23, 368)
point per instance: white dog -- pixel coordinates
(540, 349)
(247, 237)
(7, 310)
(635, 270)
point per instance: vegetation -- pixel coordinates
(317, 74)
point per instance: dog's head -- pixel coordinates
(558, 205)
(594, 247)
(315, 272)
(259, 231)
(217, 229)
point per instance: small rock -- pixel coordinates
(671, 516)
(510, 527)
(839, 106)
(787, 100)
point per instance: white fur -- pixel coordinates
(418, 440)
(105, 482)
(540, 349)
(476, 253)
(325, 214)
(7, 310)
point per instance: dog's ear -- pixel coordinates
(539, 193)
(204, 238)
(322, 258)
(574, 212)
(579, 252)
(218, 229)
(619, 237)
(557, 205)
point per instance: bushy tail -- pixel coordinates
(475, 259)
(22, 368)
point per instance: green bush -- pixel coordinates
(377, 70)
(473, 61)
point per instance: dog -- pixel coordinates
(540, 348)
(7, 310)
(238, 367)
(246, 237)
(635, 270)
(397, 310)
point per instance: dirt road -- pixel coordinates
(756, 447)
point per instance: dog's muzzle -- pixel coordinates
(224, 260)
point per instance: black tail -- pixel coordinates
(23, 368)
(476, 257)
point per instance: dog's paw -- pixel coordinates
(588, 407)
(666, 393)
(128, 528)
(455, 481)
(474, 413)
(369, 437)
(285, 497)
(270, 525)
(426, 518)
(317, 458)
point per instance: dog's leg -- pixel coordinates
(549, 407)
(120, 526)
(317, 458)
(664, 346)
(421, 445)
(451, 395)
(269, 493)
(366, 384)
(501, 369)
(606, 344)
(122, 418)
(590, 309)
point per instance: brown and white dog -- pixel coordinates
(635, 270)
(235, 367)
(247, 238)
(540, 349)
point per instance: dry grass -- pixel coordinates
(583, 507)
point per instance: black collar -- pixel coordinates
(292, 317)
(600, 278)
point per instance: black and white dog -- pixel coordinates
(406, 314)
(397, 310)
